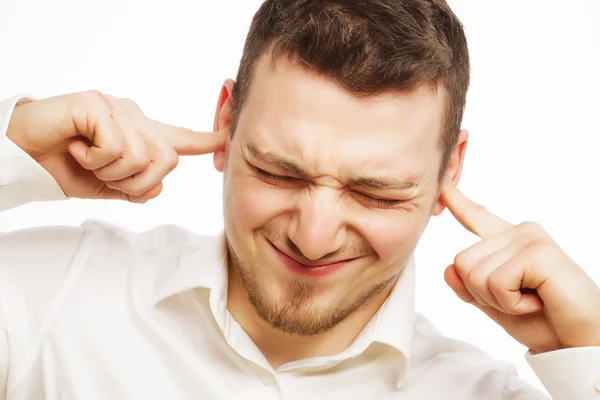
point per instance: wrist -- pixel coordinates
(17, 127)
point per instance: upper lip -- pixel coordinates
(312, 264)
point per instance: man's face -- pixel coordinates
(326, 194)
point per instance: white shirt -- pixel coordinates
(99, 312)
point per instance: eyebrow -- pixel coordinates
(277, 161)
(384, 183)
(364, 182)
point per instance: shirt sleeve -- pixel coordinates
(22, 179)
(37, 269)
(3, 356)
(516, 388)
(569, 374)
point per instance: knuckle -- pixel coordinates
(475, 279)
(135, 187)
(139, 162)
(538, 247)
(113, 186)
(135, 190)
(138, 193)
(147, 197)
(129, 104)
(474, 212)
(473, 301)
(530, 227)
(189, 143)
(82, 103)
(111, 98)
(95, 97)
(114, 150)
(494, 282)
(152, 193)
(479, 209)
(512, 310)
(94, 94)
(171, 160)
(102, 175)
(464, 260)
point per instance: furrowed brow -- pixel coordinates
(293, 169)
(277, 161)
(384, 183)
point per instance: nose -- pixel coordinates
(318, 227)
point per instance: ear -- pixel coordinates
(454, 169)
(223, 119)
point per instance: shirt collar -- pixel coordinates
(393, 325)
(199, 267)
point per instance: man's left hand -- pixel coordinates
(519, 277)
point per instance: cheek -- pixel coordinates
(250, 203)
(393, 235)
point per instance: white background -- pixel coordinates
(532, 113)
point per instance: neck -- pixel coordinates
(279, 347)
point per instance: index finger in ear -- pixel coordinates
(187, 142)
(474, 217)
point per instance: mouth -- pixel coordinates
(310, 269)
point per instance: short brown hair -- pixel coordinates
(367, 47)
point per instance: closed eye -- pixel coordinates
(282, 179)
(272, 178)
(378, 202)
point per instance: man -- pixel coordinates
(339, 140)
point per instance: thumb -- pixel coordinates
(187, 142)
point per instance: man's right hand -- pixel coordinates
(97, 146)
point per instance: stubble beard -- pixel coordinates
(296, 311)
